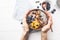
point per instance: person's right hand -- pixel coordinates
(49, 24)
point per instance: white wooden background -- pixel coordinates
(10, 28)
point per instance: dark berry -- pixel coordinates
(21, 22)
(37, 6)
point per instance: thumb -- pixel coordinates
(45, 28)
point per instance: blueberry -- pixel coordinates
(54, 9)
(52, 12)
(37, 6)
(40, 4)
(21, 22)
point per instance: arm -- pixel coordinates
(25, 37)
(43, 36)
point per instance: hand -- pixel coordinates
(25, 32)
(25, 26)
(49, 25)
